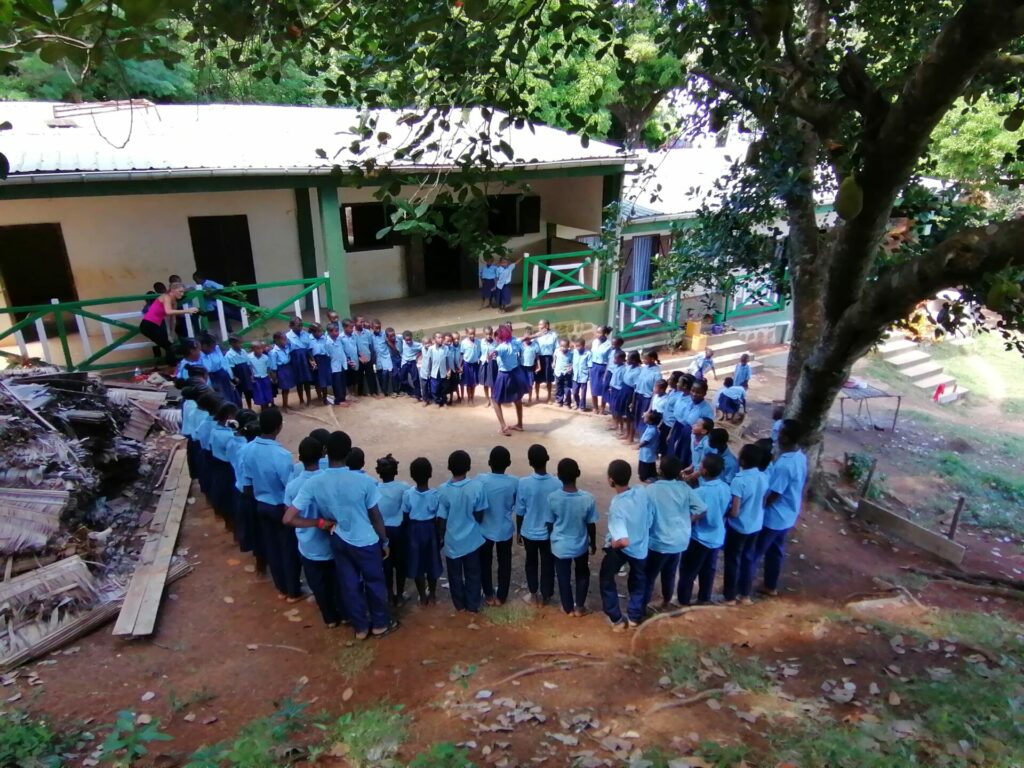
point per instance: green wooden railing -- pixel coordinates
(746, 296)
(561, 278)
(68, 323)
(644, 312)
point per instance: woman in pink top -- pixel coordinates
(154, 321)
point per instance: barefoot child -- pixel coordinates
(531, 351)
(461, 506)
(701, 558)
(419, 504)
(630, 377)
(614, 394)
(572, 521)
(391, 492)
(600, 356)
(630, 516)
(746, 517)
(497, 525)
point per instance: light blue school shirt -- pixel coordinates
(710, 529)
(649, 444)
(382, 352)
(488, 271)
(562, 362)
(668, 411)
(630, 516)
(319, 346)
(364, 342)
(547, 342)
(439, 362)
(500, 491)
(735, 392)
(238, 451)
(213, 360)
(615, 374)
(314, 544)
(260, 365)
(204, 429)
(696, 411)
(503, 275)
(346, 497)
(336, 351)
(730, 464)
(750, 486)
(420, 505)
(533, 494)
(220, 435)
(470, 349)
(189, 409)
(453, 356)
(645, 381)
(268, 468)
(409, 350)
(600, 350)
(458, 503)
(658, 404)
(741, 374)
(569, 514)
(788, 475)
(209, 304)
(697, 449)
(682, 407)
(233, 358)
(486, 345)
(390, 503)
(530, 353)
(180, 372)
(675, 506)
(298, 468)
(348, 343)
(776, 428)
(507, 356)
(631, 376)
(301, 340)
(581, 366)
(278, 357)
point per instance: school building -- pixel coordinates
(104, 199)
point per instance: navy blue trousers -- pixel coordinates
(396, 563)
(538, 557)
(698, 563)
(665, 565)
(338, 386)
(409, 379)
(282, 549)
(384, 379)
(504, 568)
(579, 394)
(680, 443)
(323, 582)
(364, 594)
(738, 556)
(563, 570)
(636, 585)
(563, 389)
(464, 581)
(771, 546)
(439, 388)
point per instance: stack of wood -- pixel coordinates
(30, 517)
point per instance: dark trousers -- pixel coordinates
(664, 432)
(698, 563)
(665, 565)
(504, 568)
(364, 596)
(646, 470)
(409, 379)
(563, 569)
(158, 335)
(367, 379)
(738, 553)
(338, 387)
(538, 556)
(464, 581)
(681, 442)
(439, 388)
(636, 585)
(282, 549)
(384, 379)
(425, 388)
(771, 545)
(579, 394)
(323, 581)
(563, 389)
(395, 564)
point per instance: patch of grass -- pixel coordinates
(713, 755)
(370, 736)
(830, 745)
(511, 615)
(989, 631)
(443, 755)
(983, 365)
(27, 741)
(353, 660)
(678, 660)
(1001, 495)
(194, 699)
(683, 660)
(268, 742)
(1012, 407)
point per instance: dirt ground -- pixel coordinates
(227, 651)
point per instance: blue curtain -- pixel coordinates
(643, 252)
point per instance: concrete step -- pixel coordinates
(952, 396)
(729, 345)
(896, 346)
(931, 382)
(922, 370)
(908, 359)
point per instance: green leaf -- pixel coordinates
(506, 149)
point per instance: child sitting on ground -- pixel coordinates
(731, 399)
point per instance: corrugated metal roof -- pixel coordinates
(230, 139)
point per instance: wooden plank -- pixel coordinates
(154, 559)
(911, 532)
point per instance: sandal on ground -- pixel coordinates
(391, 627)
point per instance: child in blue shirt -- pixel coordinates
(439, 368)
(314, 543)
(503, 283)
(419, 506)
(461, 506)
(630, 377)
(580, 374)
(213, 360)
(320, 351)
(562, 367)
(497, 525)
(701, 558)
(408, 375)
(649, 373)
(366, 379)
(190, 355)
(615, 396)
(572, 521)
(488, 273)
(300, 350)
(533, 495)
(391, 492)
(282, 372)
(383, 367)
(426, 385)
(547, 341)
(718, 443)
(741, 374)
(778, 413)
(731, 399)
(630, 517)
(338, 362)
(469, 350)
(531, 353)
(600, 355)
(237, 361)
(222, 478)
(646, 465)
(698, 448)
(746, 517)
(259, 362)
(209, 402)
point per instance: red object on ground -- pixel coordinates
(939, 391)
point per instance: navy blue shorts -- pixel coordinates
(505, 295)
(486, 288)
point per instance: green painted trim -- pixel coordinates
(62, 334)
(304, 231)
(642, 227)
(542, 299)
(334, 250)
(178, 185)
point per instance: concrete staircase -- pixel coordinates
(918, 366)
(728, 348)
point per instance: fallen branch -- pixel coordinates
(697, 697)
(566, 666)
(572, 654)
(277, 645)
(989, 589)
(904, 591)
(662, 617)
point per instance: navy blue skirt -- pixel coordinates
(470, 374)
(597, 372)
(728, 405)
(641, 404)
(625, 401)
(488, 372)
(300, 363)
(508, 387)
(505, 295)
(423, 556)
(614, 397)
(221, 381)
(222, 483)
(245, 522)
(486, 288)
(243, 373)
(323, 371)
(527, 376)
(262, 394)
(286, 376)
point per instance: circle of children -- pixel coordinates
(357, 540)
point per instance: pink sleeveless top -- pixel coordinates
(156, 313)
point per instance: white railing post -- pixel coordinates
(222, 320)
(44, 342)
(83, 336)
(22, 349)
(535, 276)
(245, 317)
(622, 313)
(316, 304)
(188, 327)
(298, 308)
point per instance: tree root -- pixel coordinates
(566, 666)
(566, 654)
(661, 617)
(971, 577)
(697, 697)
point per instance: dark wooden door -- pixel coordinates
(223, 250)
(34, 268)
(445, 266)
